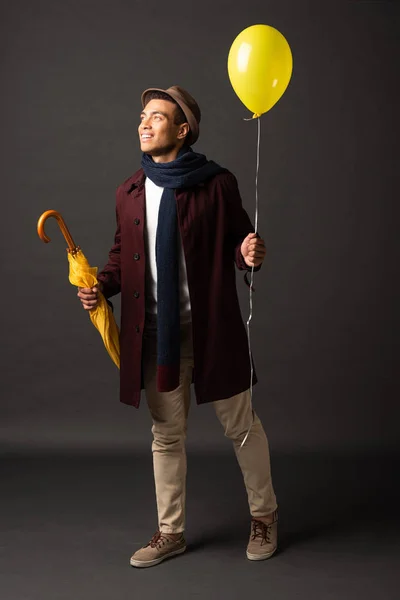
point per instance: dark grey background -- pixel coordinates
(325, 327)
(77, 493)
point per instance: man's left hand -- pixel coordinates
(253, 250)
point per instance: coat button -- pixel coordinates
(136, 256)
(137, 328)
(137, 221)
(136, 294)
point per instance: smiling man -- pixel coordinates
(181, 229)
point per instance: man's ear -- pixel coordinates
(183, 131)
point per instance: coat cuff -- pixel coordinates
(110, 304)
(108, 287)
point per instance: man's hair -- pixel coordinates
(179, 114)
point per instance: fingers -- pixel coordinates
(254, 262)
(256, 249)
(253, 239)
(88, 290)
(257, 241)
(87, 293)
(254, 258)
(88, 297)
(89, 306)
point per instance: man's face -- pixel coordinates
(158, 133)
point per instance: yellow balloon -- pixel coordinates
(260, 66)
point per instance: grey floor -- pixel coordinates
(69, 525)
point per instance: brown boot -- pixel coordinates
(160, 547)
(263, 539)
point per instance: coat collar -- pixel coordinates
(134, 182)
(137, 181)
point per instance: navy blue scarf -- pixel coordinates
(187, 170)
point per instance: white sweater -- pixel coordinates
(153, 198)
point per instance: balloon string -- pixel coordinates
(251, 286)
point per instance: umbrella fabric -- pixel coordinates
(82, 274)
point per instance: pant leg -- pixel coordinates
(169, 412)
(235, 415)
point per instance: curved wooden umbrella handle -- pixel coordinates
(64, 229)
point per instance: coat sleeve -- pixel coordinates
(110, 275)
(239, 224)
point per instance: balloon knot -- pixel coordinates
(255, 116)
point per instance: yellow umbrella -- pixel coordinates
(82, 274)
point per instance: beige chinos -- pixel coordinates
(169, 412)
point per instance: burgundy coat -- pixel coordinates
(212, 224)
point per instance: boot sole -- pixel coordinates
(260, 556)
(156, 561)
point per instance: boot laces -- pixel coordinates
(158, 540)
(261, 530)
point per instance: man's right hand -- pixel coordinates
(89, 296)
